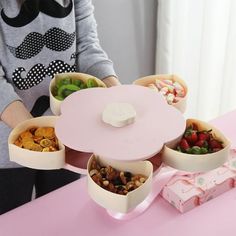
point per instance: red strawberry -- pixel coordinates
(201, 143)
(204, 135)
(191, 136)
(184, 144)
(213, 143)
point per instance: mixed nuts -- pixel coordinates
(120, 182)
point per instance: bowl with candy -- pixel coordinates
(33, 144)
(201, 148)
(118, 186)
(64, 84)
(173, 88)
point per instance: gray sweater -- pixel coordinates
(38, 39)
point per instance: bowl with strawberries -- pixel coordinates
(201, 148)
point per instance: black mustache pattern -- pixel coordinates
(30, 10)
(40, 106)
(38, 72)
(55, 39)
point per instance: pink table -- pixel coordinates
(70, 211)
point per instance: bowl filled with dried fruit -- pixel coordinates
(33, 144)
(117, 185)
(201, 148)
(64, 84)
(172, 87)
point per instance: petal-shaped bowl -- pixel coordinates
(193, 162)
(33, 159)
(145, 81)
(116, 202)
(55, 104)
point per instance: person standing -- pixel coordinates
(39, 38)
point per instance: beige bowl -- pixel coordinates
(116, 202)
(198, 163)
(145, 81)
(33, 159)
(55, 104)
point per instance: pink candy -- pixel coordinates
(173, 91)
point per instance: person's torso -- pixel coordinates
(39, 40)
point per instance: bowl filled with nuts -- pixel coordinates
(118, 186)
(33, 144)
(201, 148)
(173, 88)
(64, 84)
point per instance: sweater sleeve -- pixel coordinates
(7, 93)
(91, 57)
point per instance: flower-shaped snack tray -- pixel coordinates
(81, 127)
(85, 126)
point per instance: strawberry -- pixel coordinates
(184, 144)
(204, 135)
(213, 143)
(201, 143)
(191, 136)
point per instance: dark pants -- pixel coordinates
(16, 185)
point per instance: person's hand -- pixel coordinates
(111, 81)
(9, 114)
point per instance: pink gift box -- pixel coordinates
(185, 192)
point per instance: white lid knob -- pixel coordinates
(119, 114)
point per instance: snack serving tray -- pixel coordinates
(81, 127)
(151, 123)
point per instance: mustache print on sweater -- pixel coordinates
(30, 10)
(55, 39)
(40, 106)
(38, 72)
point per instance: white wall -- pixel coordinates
(127, 32)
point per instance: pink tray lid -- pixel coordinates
(81, 128)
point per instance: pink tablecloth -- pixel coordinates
(69, 211)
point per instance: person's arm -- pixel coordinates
(12, 110)
(15, 113)
(91, 57)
